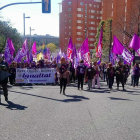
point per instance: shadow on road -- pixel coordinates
(74, 97)
(13, 106)
(113, 98)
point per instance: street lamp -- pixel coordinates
(30, 35)
(24, 23)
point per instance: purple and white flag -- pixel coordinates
(85, 52)
(135, 44)
(24, 52)
(119, 49)
(70, 49)
(9, 51)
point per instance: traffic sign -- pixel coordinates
(46, 6)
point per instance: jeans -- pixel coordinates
(136, 80)
(90, 83)
(98, 81)
(132, 79)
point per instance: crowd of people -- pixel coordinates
(66, 73)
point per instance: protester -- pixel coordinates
(110, 74)
(5, 81)
(105, 72)
(12, 71)
(126, 73)
(63, 75)
(136, 74)
(96, 77)
(90, 73)
(132, 76)
(80, 73)
(120, 74)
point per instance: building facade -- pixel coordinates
(79, 19)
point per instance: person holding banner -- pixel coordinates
(63, 75)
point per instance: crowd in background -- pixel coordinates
(82, 74)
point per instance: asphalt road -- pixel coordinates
(41, 113)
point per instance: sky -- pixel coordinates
(42, 23)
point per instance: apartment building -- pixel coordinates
(79, 19)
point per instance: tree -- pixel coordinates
(6, 31)
(106, 36)
(52, 47)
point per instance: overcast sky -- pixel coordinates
(42, 23)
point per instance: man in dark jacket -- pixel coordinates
(90, 73)
(120, 74)
(5, 81)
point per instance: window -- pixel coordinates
(91, 28)
(92, 16)
(97, 6)
(80, 9)
(81, 3)
(69, 27)
(92, 22)
(91, 45)
(79, 21)
(90, 5)
(69, 21)
(69, 15)
(69, 9)
(79, 33)
(69, 3)
(79, 15)
(79, 39)
(69, 33)
(92, 11)
(92, 34)
(79, 27)
(65, 33)
(94, 6)
(91, 39)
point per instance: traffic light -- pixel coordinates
(46, 6)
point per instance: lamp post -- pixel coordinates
(24, 23)
(30, 35)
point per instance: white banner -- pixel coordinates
(35, 75)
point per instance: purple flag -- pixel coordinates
(99, 47)
(24, 52)
(119, 49)
(9, 51)
(17, 56)
(34, 51)
(98, 62)
(85, 52)
(70, 49)
(135, 44)
(59, 55)
(12, 49)
(112, 58)
(31, 56)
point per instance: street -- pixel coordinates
(39, 112)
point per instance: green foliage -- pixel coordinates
(6, 31)
(101, 24)
(52, 47)
(106, 35)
